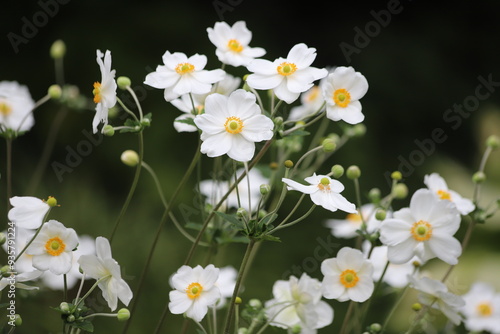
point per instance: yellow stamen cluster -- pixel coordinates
(184, 68)
(5, 109)
(349, 278)
(194, 290)
(233, 125)
(324, 184)
(353, 218)
(97, 92)
(484, 309)
(313, 94)
(235, 46)
(286, 69)
(55, 246)
(341, 97)
(421, 230)
(444, 195)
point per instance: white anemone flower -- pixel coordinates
(52, 248)
(106, 271)
(342, 90)
(348, 276)
(16, 106)
(232, 43)
(438, 185)
(195, 291)
(346, 228)
(435, 294)
(289, 76)
(104, 91)
(310, 103)
(424, 229)
(182, 75)
(28, 212)
(232, 125)
(297, 303)
(324, 192)
(482, 308)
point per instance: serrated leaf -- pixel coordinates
(233, 220)
(84, 325)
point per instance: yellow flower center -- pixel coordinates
(235, 46)
(97, 92)
(313, 94)
(233, 125)
(194, 290)
(444, 195)
(354, 218)
(55, 246)
(324, 184)
(484, 309)
(341, 97)
(349, 278)
(184, 68)
(5, 109)
(421, 230)
(286, 69)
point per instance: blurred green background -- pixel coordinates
(425, 60)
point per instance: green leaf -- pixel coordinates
(270, 237)
(85, 325)
(231, 219)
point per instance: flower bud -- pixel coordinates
(400, 191)
(296, 329)
(108, 130)
(478, 177)
(51, 201)
(337, 171)
(70, 318)
(375, 327)
(493, 142)
(416, 307)
(374, 195)
(123, 314)
(55, 92)
(242, 330)
(241, 212)
(18, 321)
(64, 307)
(278, 121)
(328, 145)
(265, 189)
(58, 49)
(359, 130)
(238, 300)
(380, 214)
(123, 82)
(273, 165)
(130, 158)
(289, 164)
(396, 175)
(353, 172)
(255, 303)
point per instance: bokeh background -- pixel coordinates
(426, 59)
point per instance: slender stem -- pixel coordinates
(366, 306)
(282, 225)
(393, 309)
(92, 288)
(134, 96)
(486, 154)
(347, 317)
(303, 157)
(65, 290)
(239, 279)
(132, 187)
(127, 110)
(8, 142)
(34, 236)
(81, 287)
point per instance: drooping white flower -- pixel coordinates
(424, 229)
(27, 211)
(289, 76)
(297, 302)
(16, 106)
(346, 228)
(52, 249)
(104, 91)
(435, 294)
(86, 246)
(19, 279)
(348, 276)
(232, 43)
(482, 308)
(195, 291)
(342, 91)
(438, 185)
(232, 125)
(324, 192)
(103, 268)
(182, 75)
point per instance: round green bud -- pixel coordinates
(374, 328)
(353, 172)
(289, 164)
(51, 201)
(3, 238)
(380, 214)
(400, 191)
(130, 158)
(123, 314)
(64, 307)
(55, 92)
(359, 130)
(58, 49)
(146, 122)
(70, 318)
(374, 195)
(5, 271)
(265, 189)
(478, 177)
(18, 321)
(493, 142)
(238, 300)
(262, 213)
(241, 212)
(108, 130)
(416, 307)
(297, 329)
(255, 303)
(396, 175)
(123, 82)
(242, 330)
(278, 121)
(337, 171)
(273, 165)
(328, 145)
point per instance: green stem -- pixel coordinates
(393, 309)
(298, 220)
(347, 317)
(33, 238)
(8, 142)
(92, 288)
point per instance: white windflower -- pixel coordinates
(16, 106)
(438, 185)
(297, 302)
(348, 276)
(27, 212)
(106, 270)
(324, 192)
(86, 246)
(289, 76)
(19, 279)
(52, 249)
(182, 75)
(346, 228)
(482, 308)
(310, 103)
(424, 229)
(232, 125)
(435, 294)
(104, 91)
(232, 43)
(342, 91)
(195, 291)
